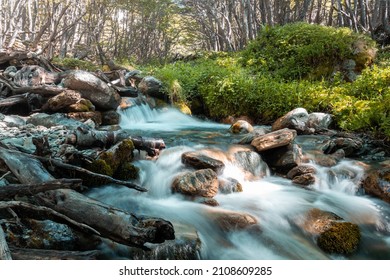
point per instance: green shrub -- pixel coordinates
(301, 50)
(223, 86)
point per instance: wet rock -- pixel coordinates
(258, 131)
(319, 121)
(83, 105)
(275, 139)
(62, 100)
(151, 86)
(12, 120)
(351, 146)
(228, 220)
(296, 119)
(329, 160)
(377, 183)
(57, 119)
(110, 118)
(199, 183)
(229, 185)
(186, 246)
(241, 126)
(249, 162)
(207, 201)
(332, 234)
(95, 116)
(302, 175)
(47, 234)
(283, 159)
(199, 160)
(93, 89)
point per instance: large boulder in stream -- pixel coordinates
(377, 183)
(274, 139)
(92, 88)
(241, 126)
(283, 159)
(199, 183)
(332, 234)
(151, 86)
(303, 122)
(303, 175)
(228, 220)
(200, 160)
(248, 161)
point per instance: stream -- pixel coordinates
(276, 202)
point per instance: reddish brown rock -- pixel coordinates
(377, 183)
(199, 183)
(228, 220)
(241, 126)
(332, 233)
(276, 139)
(302, 175)
(200, 160)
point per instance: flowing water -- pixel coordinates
(277, 204)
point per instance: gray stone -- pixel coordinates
(93, 89)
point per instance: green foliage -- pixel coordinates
(220, 84)
(340, 238)
(74, 63)
(302, 50)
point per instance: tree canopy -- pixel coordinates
(142, 30)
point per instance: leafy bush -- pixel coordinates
(302, 50)
(225, 88)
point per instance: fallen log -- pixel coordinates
(24, 167)
(10, 191)
(13, 100)
(39, 254)
(93, 138)
(29, 210)
(112, 223)
(28, 169)
(44, 90)
(5, 253)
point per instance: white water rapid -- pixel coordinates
(275, 202)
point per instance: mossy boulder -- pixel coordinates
(126, 171)
(340, 238)
(115, 162)
(331, 233)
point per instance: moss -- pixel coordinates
(101, 166)
(340, 238)
(126, 171)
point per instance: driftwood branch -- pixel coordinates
(15, 160)
(88, 173)
(42, 213)
(112, 223)
(44, 90)
(10, 191)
